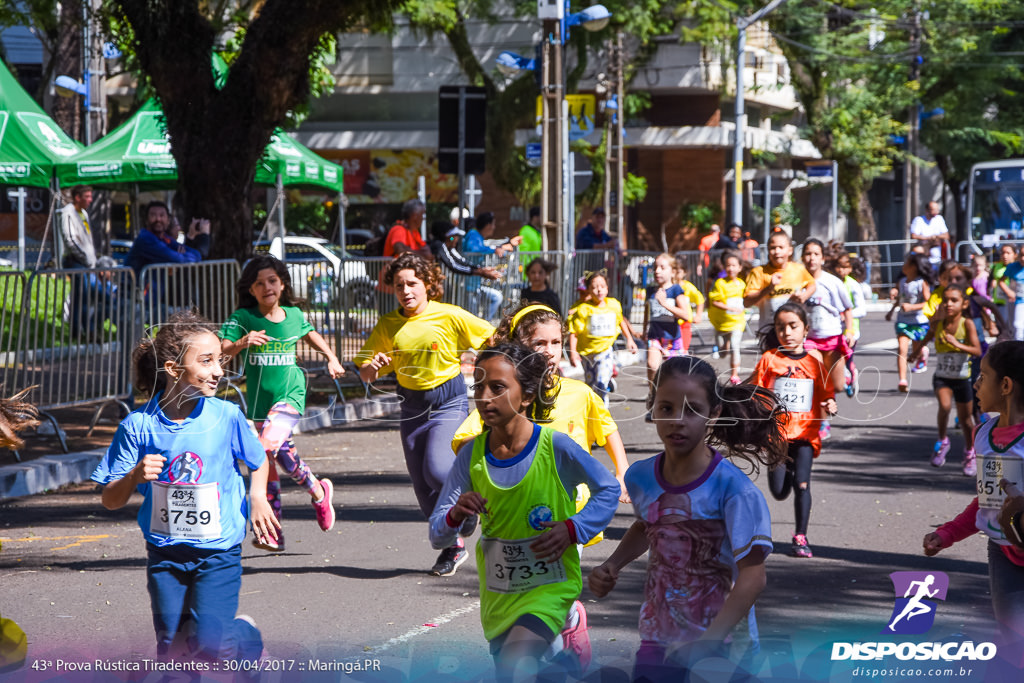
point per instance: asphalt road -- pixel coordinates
(73, 574)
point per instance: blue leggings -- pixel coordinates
(186, 582)
(429, 421)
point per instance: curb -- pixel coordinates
(47, 473)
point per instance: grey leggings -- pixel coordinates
(1006, 581)
(429, 421)
(734, 338)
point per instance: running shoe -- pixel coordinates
(939, 452)
(468, 526)
(825, 431)
(970, 467)
(735, 380)
(450, 559)
(904, 387)
(268, 543)
(800, 547)
(576, 644)
(325, 506)
(714, 353)
(922, 362)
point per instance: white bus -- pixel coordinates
(995, 203)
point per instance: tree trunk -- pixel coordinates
(67, 111)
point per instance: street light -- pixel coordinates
(510, 64)
(742, 24)
(556, 203)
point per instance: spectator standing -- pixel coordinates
(444, 245)
(533, 241)
(593, 234)
(154, 244)
(930, 228)
(405, 234)
(731, 240)
(79, 251)
(708, 242)
(474, 244)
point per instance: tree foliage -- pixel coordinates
(218, 132)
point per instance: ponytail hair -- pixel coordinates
(751, 425)
(15, 415)
(169, 344)
(769, 340)
(533, 373)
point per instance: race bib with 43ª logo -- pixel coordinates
(512, 567)
(185, 511)
(796, 394)
(992, 468)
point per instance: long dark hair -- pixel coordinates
(252, 271)
(751, 425)
(532, 373)
(768, 339)
(169, 344)
(1006, 358)
(924, 267)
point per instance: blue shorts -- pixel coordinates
(912, 331)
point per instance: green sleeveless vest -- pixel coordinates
(513, 582)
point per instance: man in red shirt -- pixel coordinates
(405, 234)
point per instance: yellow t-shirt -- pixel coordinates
(730, 293)
(596, 327)
(578, 412)
(794, 279)
(931, 307)
(693, 296)
(425, 348)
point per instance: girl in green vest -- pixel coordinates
(521, 479)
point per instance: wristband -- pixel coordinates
(1016, 528)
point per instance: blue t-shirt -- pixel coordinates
(1015, 274)
(696, 534)
(203, 450)
(586, 238)
(661, 323)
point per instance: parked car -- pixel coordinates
(313, 263)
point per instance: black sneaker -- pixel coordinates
(468, 526)
(448, 561)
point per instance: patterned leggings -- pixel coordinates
(598, 369)
(276, 437)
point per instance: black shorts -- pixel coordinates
(961, 388)
(530, 622)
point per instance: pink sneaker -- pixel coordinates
(940, 449)
(970, 466)
(325, 507)
(576, 642)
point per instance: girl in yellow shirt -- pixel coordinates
(421, 342)
(594, 325)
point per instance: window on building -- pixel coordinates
(364, 59)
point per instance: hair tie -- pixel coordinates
(603, 272)
(529, 309)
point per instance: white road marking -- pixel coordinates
(420, 630)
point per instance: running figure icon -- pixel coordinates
(915, 606)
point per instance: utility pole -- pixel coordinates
(614, 158)
(742, 24)
(912, 172)
(552, 148)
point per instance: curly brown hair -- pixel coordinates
(428, 271)
(16, 415)
(170, 343)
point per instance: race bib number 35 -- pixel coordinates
(185, 511)
(513, 568)
(992, 468)
(796, 394)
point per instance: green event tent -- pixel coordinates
(139, 151)
(31, 144)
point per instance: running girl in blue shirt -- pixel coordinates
(704, 522)
(181, 452)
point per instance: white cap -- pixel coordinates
(454, 215)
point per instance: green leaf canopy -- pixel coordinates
(31, 144)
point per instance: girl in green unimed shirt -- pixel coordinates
(266, 329)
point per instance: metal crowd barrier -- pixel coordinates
(75, 340)
(165, 288)
(12, 305)
(887, 267)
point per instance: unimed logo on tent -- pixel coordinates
(916, 593)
